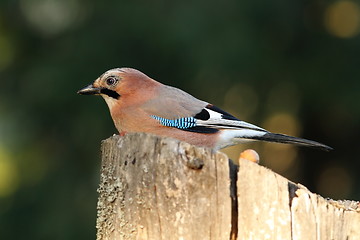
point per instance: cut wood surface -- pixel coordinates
(156, 188)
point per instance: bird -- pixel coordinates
(138, 103)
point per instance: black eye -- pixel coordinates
(111, 81)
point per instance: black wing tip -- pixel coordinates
(326, 148)
(319, 146)
(281, 138)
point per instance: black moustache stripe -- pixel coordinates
(110, 93)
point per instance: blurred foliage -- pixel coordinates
(289, 66)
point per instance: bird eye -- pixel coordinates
(111, 81)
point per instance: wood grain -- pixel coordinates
(155, 188)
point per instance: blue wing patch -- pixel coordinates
(181, 123)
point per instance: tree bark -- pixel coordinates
(155, 188)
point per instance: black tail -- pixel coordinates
(281, 138)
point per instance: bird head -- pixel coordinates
(104, 85)
(116, 83)
(107, 85)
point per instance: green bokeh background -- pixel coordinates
(281, 57)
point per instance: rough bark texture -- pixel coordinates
(155, 188)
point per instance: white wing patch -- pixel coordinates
(232, 131)
(217, 120)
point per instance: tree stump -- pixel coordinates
(154, 188)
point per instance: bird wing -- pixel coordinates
(172, 103)
(180, 110)
(209, 120)
(173, 107)
(214, 117)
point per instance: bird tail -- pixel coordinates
(281, 138)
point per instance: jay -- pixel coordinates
(138, 103)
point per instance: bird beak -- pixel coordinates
(89, 90)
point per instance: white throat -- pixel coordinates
(109, 101)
